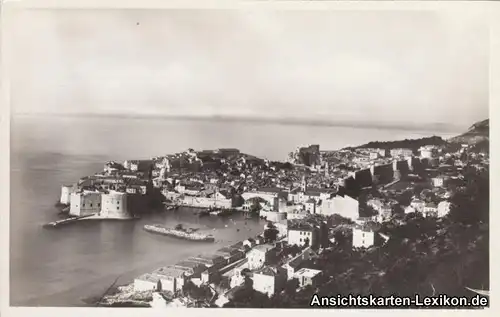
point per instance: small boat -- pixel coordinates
(214, 211)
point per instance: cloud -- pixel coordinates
(363, 65)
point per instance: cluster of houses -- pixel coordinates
(255, 258)
(284, 197)
(298, 203)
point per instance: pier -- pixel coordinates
(55, 224)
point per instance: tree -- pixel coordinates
(290, 250)
(237, 200)
(341, 239)
(271, 232)
(179, 227)
(255, 207)
(291, 286)
(418, 189)
(405, 198)
(248, 282)
(367, 211)
(471, 205)
(195, 292)
(306, 242)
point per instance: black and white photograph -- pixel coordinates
(249, 157)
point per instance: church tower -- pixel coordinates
(303, 185)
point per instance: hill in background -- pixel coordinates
(478, 136)
(413, 144)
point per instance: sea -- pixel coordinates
(63, 267)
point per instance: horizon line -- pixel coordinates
(438, 126)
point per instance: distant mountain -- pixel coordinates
(478, 137)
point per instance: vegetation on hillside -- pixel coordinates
(425, 256)
(413, 144)
(477, 136)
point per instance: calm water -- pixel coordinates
(61, 267)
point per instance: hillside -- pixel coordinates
(413, 144)
(478, 136)
(424, 256)
(477, 133)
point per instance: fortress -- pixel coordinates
(109, 205)
(385, 173)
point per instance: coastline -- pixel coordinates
(66, 287)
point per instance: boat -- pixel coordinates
(179, 233)
(215, 212)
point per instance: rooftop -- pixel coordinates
(269, 271)
(237, 245)
(228, 251)
(169, 271)
(153, 278)
(206, 257)
(270, 189)
(294, 226)
(263, 247)
(296, 261)
(307, 272)
(188, 264)
(368, 227)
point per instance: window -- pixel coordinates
(363, 234)
(98, 204)
(300, 239)
(90, 205)
(83, 205)
(118, 208)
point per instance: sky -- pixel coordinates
(387, 66)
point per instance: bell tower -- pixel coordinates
(303, 185)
